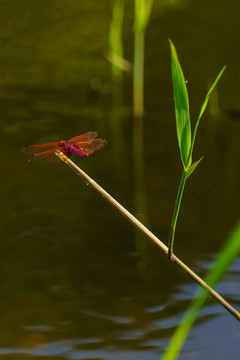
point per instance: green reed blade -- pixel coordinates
(184, 133)
(191, 169)
(181, 109)
(142, 13)
(115, 35)
(204, 105)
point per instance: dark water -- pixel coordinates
(77, 281)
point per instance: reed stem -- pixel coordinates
(138, 74)
(115, 36)
(175, 213)
(147, 233)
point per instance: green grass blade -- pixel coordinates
(204, 105)
(216, 81)
(228, 254)
(209, 92)
(148, 9)
(181, 108)
(143, 10)
(142, 13)
(115, 34)
(191, 169)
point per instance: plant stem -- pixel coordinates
(138, 74)
(115, 35)
(175, 214)
(147, 232)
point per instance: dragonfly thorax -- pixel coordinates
(64, 146)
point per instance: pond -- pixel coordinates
(78, 281)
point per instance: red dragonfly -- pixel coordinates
(82, 145)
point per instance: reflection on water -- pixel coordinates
(71, 282)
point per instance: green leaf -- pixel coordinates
(115, 37)
(115, 33)
(209, 92)
(142, 14)
(204, 105)
(191, 169)
(181, 108)
(216, 81)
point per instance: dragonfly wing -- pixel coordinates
(89, 147)
(45, 156)
(85, 137)
(34, 149)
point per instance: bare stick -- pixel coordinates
(148, 233)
